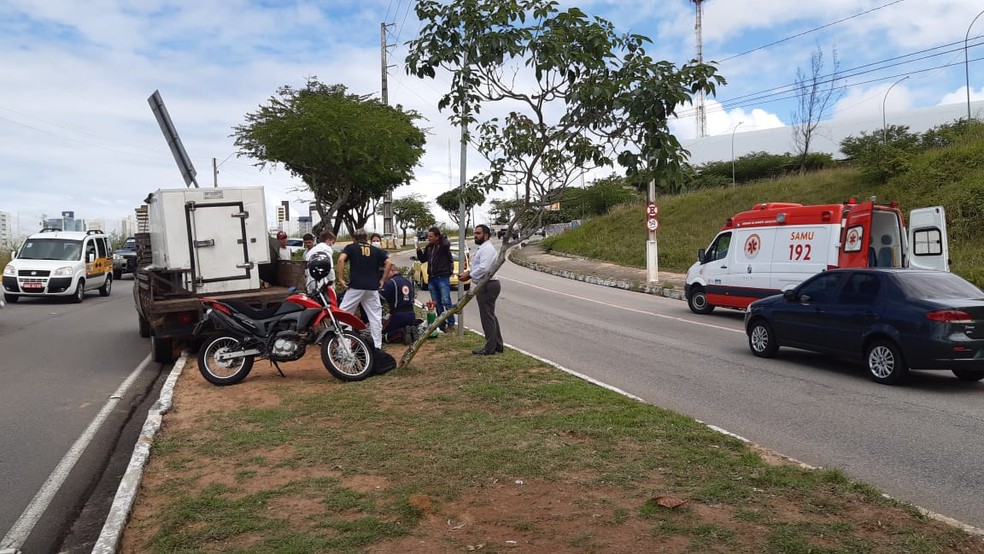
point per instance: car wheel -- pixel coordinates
(79, 292)
(761, 339)
(885, 363)
(12, 298)
(968, 374)
(698, 301)
(107, 287)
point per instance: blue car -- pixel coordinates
(890, 319)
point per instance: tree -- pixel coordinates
(815, 93)
(409, 211)
(450, 202)
(575, 95)
(501, 210)
(348, 149)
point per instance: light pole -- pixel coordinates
(966, 64)
(733, 153)
(884, 126)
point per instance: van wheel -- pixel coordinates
(698, 301)
(161, 349)
(144, 326)
(107, 286)
(79, 292)
(885, 363)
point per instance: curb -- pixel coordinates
(635, 286)
(126, 493)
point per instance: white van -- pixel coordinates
(776, 245)
(60, 263)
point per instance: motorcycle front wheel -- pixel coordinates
(347, 356)
(224, 372)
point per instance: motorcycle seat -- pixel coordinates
(251, 312)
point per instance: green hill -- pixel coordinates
(951, 176)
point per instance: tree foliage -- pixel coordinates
(567, 93)
(450, 202)
(411, 211)
(348, 149)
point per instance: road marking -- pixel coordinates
(643, 312)
(25, 523)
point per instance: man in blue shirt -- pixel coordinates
(397, 293)
(481, 267)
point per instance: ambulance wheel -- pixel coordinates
(698, 301)
(761, 339)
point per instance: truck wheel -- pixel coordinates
(12, 298)
(697, 301)
(161, 350)
(117, 274)
(223, 372)
(144, 326)
(107, 287)
(79, 292)
(761, 339)
(885, 362)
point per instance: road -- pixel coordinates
(919, 443)
(61, 363)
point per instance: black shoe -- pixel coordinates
(482, 352)
(498, 350)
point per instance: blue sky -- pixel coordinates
(76, 132)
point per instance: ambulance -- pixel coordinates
(776, 245)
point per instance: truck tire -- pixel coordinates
(697, 301)
(117, 274)
(12, 298)
(144, 326)
(161, 349)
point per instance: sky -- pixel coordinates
(77, 133)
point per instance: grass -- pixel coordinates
(467, 433)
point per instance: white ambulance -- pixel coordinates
(773, 246)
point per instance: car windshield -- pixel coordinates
(51, 249)
(936, 286)
(130, 244)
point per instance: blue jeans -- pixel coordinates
(440, 289)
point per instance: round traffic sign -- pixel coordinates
(652, 224)
(651, 210)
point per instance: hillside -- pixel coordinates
(952, 176)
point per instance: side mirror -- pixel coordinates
(700, 255)
(13, 254)
(789, 295)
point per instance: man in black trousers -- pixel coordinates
(481, 267)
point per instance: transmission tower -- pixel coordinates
(701, 112)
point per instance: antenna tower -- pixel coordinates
(701, 97)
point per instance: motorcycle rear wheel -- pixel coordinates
(223, 373)
(347, 356)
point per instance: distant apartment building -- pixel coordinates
(93, 224)
(128, 226)
(6, 230)
(66, 222)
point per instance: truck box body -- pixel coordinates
(213, 237)
(774, 246)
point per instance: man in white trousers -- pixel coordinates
(369, 265)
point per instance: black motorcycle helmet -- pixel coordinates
(320, 268)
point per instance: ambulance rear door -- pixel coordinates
(928, 246)
(856, 249)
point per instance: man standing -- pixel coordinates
(481, 267)
(308, 242)
(365, 280)
(437, 254)
(322, 249)
(283, 251)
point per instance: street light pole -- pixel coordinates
(733, 153)
(966, 64)
(884, 126)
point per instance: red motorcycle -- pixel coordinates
(283, 333)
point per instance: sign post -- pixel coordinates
(652, 252)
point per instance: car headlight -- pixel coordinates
(9, 270)
(66, 271)
(117, 257)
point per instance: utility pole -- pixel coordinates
(461, 202)
(215, 174)
(384, 92)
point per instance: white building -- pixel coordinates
(128, 226)
(6, 230)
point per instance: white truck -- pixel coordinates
(775, 245)
(204, 242)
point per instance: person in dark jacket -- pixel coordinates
(397, 295)
(440, 265)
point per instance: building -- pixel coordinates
(6, 230)
(99, 224)
(66, 222)
(128, 226)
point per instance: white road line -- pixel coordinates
(25, 523)
(633, 310)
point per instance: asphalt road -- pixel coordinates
(919, 443)
(60, 364)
